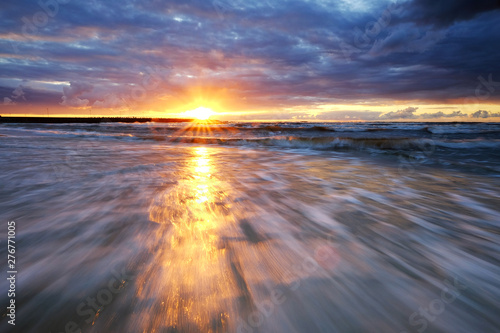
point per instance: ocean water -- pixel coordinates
(252, 227)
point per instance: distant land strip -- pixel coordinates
(97, 120)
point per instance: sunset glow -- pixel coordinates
(201, 113)
(384, 60)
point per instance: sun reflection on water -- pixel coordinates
(192, 216)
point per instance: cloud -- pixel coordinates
(277, 115)
(456, 114)
(71, 94)
(367, 115)
(348, 115)
(407, 113)
(441, 114)
(273, 54)
(110, 101)
(16, 95)
(407, 39)
(19, 93)
(75, 102)
(484, 114)
(447, 12)
(8, 101)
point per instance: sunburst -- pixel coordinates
(200, 113)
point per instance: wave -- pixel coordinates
(316, 143)
(55, 133)
(314, 136)
(469, 144)
(461, 130)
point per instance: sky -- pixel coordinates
(252, 60)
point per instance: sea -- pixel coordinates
(251, 227)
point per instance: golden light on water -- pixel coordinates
(196, 291)
(202, 167)
(203, 251)
(202, 175)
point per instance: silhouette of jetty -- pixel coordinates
(97, 120)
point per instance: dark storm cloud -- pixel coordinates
(275, 53)
(447, 12)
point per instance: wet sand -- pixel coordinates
(150, 236)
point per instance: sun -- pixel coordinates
(200, 113)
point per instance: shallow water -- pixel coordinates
(119, 229)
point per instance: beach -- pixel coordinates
(253, 227)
